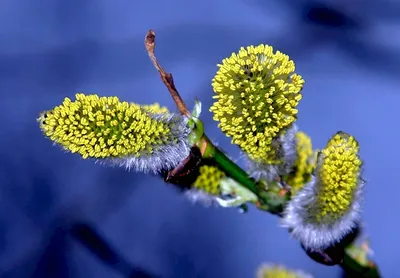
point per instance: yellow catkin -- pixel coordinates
(304, 164)
(338, 176)
(209, 179)
(102, 127)
(277, 271)
(155, 108)
(257, 93)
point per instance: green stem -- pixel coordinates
(234, 171)
(269, 196)
(353, 269)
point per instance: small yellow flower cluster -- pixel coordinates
(278, 271)
(257, 93)
(209, 179)
(102, 127)
(338, 176)
(304, 164)
(155, 108)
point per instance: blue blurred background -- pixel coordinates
(347, 51)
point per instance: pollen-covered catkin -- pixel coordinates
(209, 179)
(303, 165)
(328, 207)
(257, 93)
(145, 138)
(279, 271)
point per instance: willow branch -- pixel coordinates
(167, 79)
(209, 150)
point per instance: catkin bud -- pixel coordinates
(257, 93)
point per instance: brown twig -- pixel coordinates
(166, 77)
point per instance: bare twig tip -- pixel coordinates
(167, 78)
(150, 37)
(149, 40)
